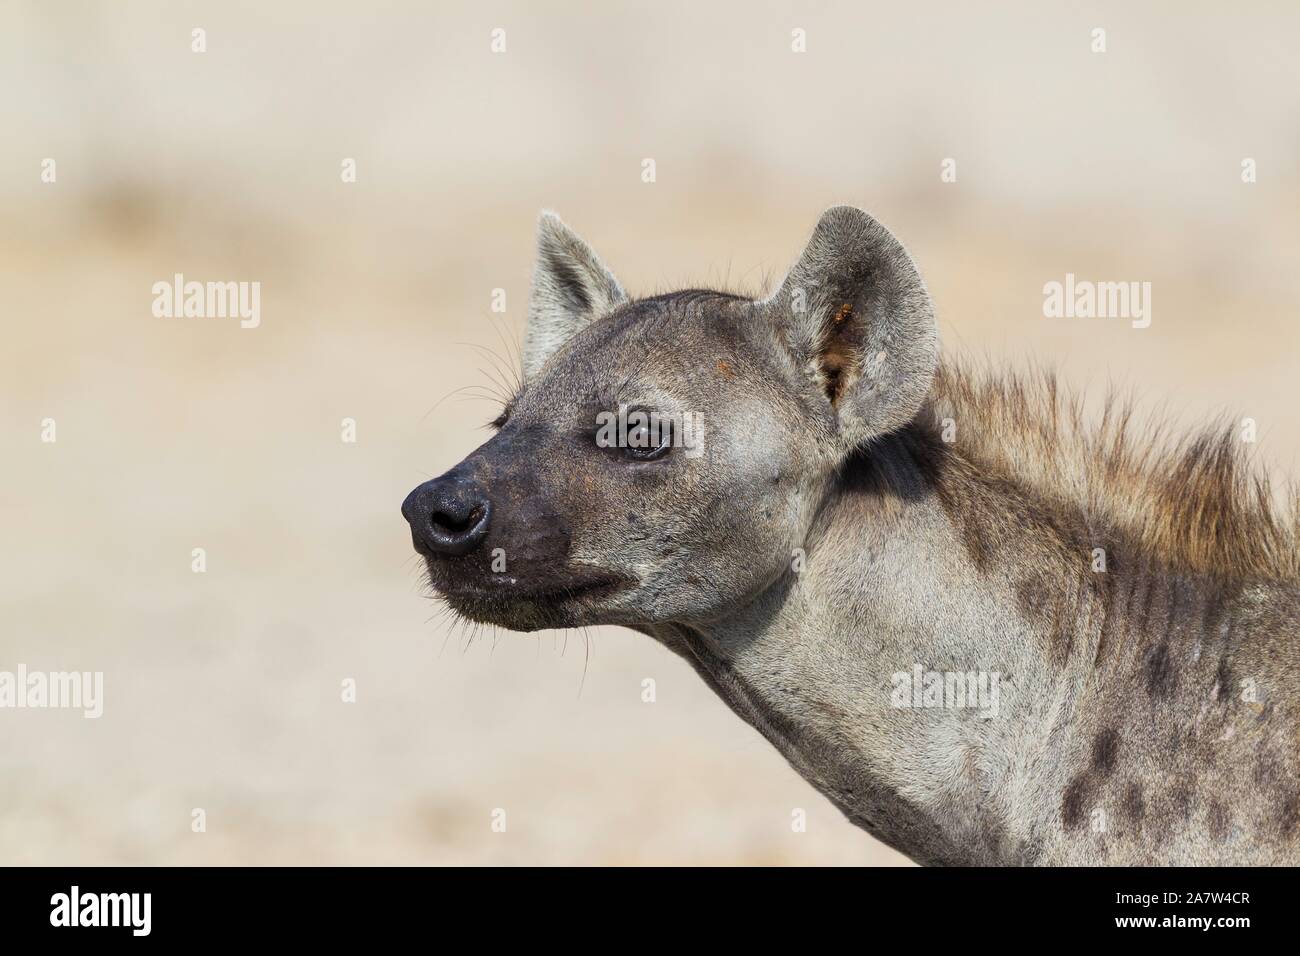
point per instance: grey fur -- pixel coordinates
(829, 539)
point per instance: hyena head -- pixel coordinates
(665, 457)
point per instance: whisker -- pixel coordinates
(516, 357)
(454, 391)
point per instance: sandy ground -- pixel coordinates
(222, 689)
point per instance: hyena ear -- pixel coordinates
(571, 288)
(856, 316)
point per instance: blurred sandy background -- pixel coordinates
(223, 689)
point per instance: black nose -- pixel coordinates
(448, 516)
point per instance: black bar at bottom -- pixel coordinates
(568, 905)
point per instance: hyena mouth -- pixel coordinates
(496, 598)
(556, 592)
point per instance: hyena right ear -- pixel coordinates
(571, 289)
(858, 320)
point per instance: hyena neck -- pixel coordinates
(838, 663)
(1106, 714)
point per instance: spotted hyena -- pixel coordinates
(855, 521)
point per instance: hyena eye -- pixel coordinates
(646, 442)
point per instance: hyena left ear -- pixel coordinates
(571, 289)
(856, 316)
